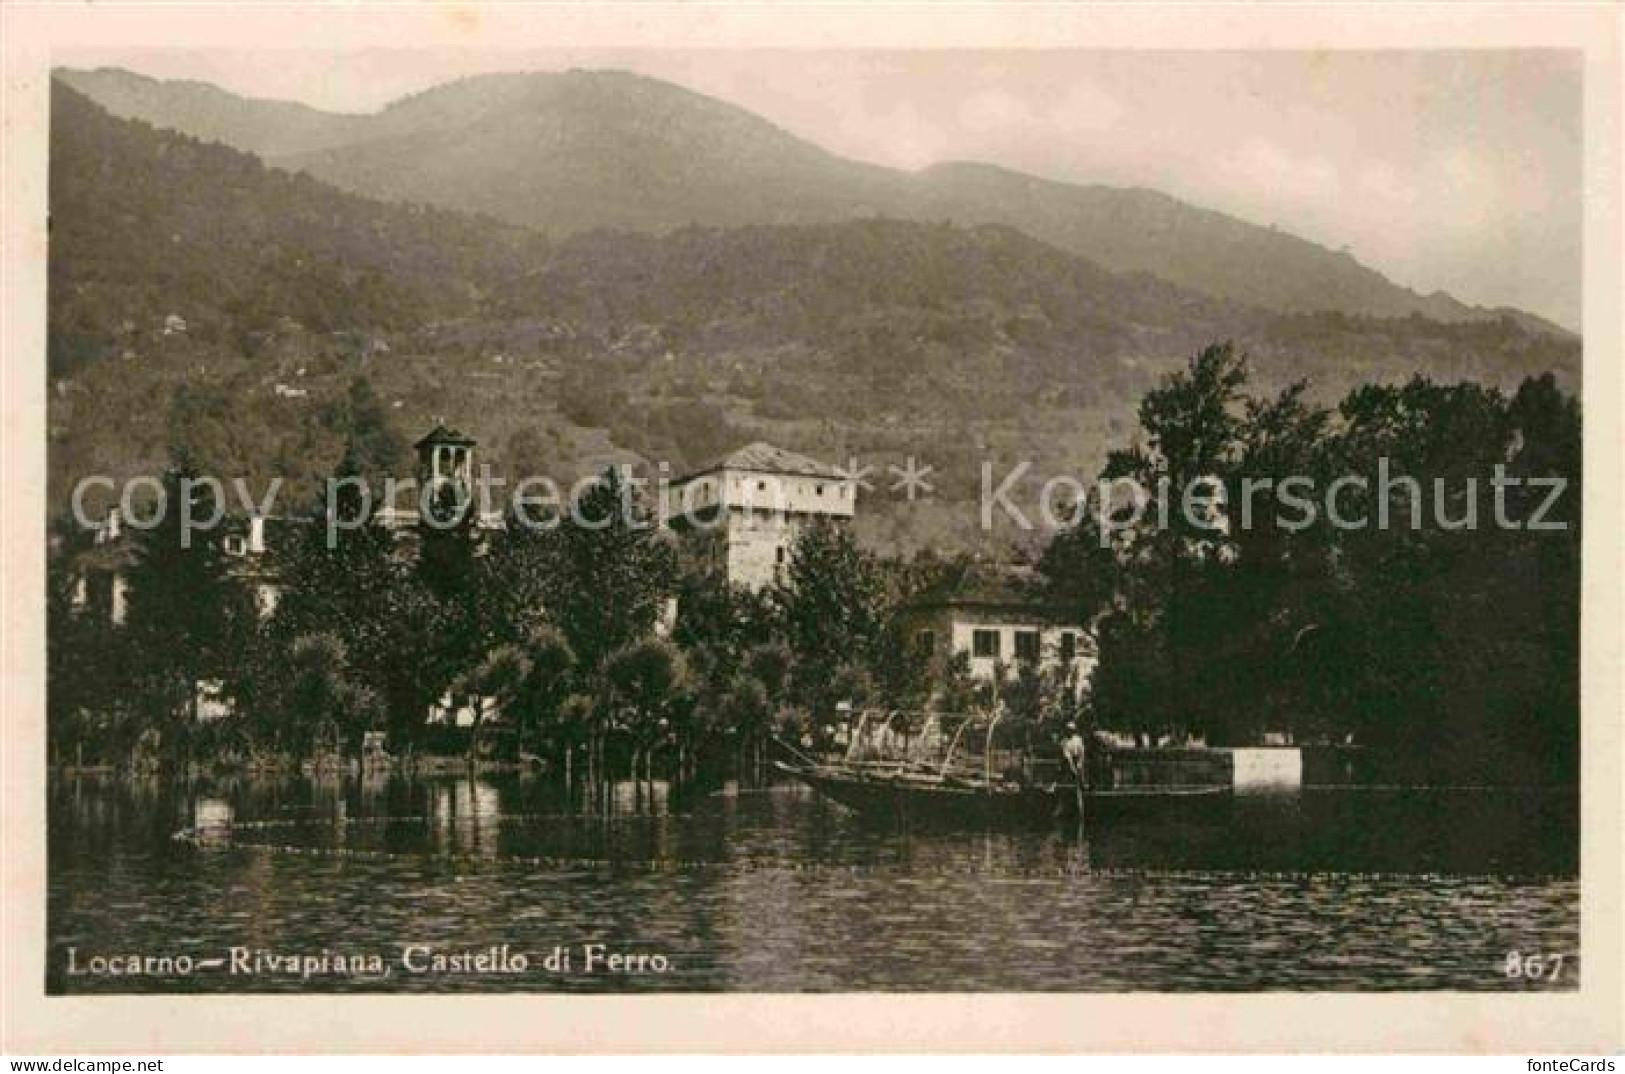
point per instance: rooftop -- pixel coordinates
(987, 586)
(442, 435)
(763, 458)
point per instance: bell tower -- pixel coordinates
(445, 456)
(445, 475)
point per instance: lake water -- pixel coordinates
(777, 890)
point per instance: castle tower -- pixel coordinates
(744, 512)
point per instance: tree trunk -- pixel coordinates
(596, 753)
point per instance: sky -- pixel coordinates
(1444, 170)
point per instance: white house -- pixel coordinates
(994, 617)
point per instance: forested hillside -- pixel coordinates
(146, 223)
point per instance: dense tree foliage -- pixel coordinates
(187, 617)
(1394, 610)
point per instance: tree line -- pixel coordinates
(1445, 643)
(567, 632)
(1449, 652)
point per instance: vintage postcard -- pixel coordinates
(1063, 530)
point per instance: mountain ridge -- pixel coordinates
(565, 152)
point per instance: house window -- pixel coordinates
(1069, 647)
(926, 642)
(985, 643)
(1027, 646)
(820, 490)
(236, 546)
(778, 555)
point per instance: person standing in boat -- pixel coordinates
(1075, 751)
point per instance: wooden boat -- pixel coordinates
(958, 777)
(919, 794)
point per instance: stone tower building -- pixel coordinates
(744, 511)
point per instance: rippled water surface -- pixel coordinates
(778, 890)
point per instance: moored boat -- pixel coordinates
(953, 767)
(900, 792)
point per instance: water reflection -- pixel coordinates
(779, 890)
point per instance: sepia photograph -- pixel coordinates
(682, 519)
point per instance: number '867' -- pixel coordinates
(1532, 967)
